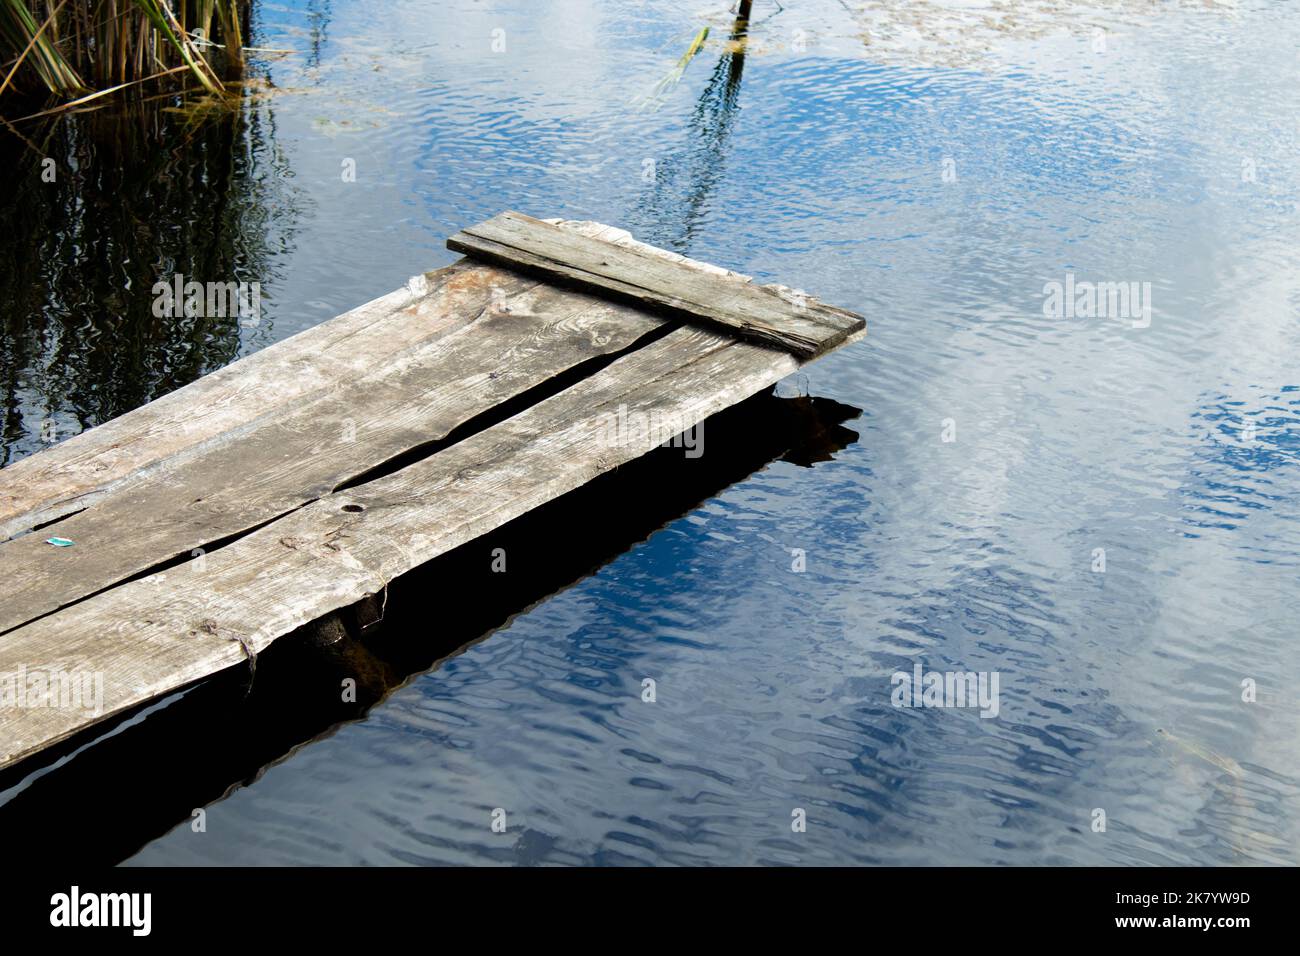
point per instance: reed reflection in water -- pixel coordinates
(104, 205)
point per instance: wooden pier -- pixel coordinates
(191, 533)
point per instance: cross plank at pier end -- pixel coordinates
(299, 522)
(804, 326)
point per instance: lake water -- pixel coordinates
(1102, 510)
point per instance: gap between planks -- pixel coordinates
(148, 637)
(532, 333)
(159, 633)
(76, 472)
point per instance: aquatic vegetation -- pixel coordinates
(162, 192)
(674, 76)
(735, 44)
(79, 50)
(968, 34)
(685, 178)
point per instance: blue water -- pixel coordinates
(935, 188)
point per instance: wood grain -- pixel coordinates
(73, 474)
(262, 483)
(800, 325)
(156, 634)
(515, 341)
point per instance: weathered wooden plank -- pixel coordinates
(153, 635)
(66, 476)
(801, 325)
(76, 472)
(287, 459)
(148, 636)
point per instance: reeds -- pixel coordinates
(72, 48)
(653, 99)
